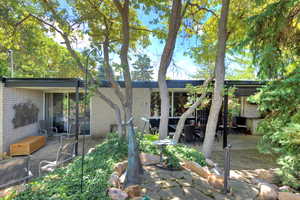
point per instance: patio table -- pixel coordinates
(162, 144)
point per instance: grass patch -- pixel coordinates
(64, 183)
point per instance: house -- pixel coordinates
(25, 101)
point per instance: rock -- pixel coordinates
(196, 168)
(288, 196)
(216, 170)
(210, 163)
(114, 180)
(117, 194)
(149, 159)
(121, 167)
(242, 191)
(267, 192)
(133, 191)
(191, 193)
(269, 176)
(216, 181)
(12, 191)
(285, 188)
(122, 177)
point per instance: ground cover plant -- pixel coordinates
(64, 183)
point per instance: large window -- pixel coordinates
(178, 100)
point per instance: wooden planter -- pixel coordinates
(27, 146)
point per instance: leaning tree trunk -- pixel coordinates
(219, 82)
(190, 111)
(174, 25)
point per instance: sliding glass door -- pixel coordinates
(60, 112)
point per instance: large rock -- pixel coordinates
(267, 192)
(133, 191)
(288, 196)
(196, 168)
(242, 190)
(121, 167)
(210, 163)
(149, 159)
(117, 194)
(216, 181)
(114, 180)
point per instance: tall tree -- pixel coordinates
(175, 19)
(219, 81)
(143, 70)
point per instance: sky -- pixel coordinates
(182, 66)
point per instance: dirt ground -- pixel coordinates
(244, 153)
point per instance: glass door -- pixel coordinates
(60, 112)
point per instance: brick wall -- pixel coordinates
(102, 116)
(11, 97)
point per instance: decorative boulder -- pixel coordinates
(117, 194)
(121, 167)
(210, 163)
(114, 180)
(267, 192)
(269, 176)
(288, 196)
(149, 159)
(133, 191)
(196, 168)
(216, 181)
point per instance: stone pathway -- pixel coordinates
(163, 184)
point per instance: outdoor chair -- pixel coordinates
(64, 154)
(153, 130)
(14, 170)
(46, 129)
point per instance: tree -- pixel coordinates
(219, 81)
(143, 70)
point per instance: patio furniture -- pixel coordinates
(46, 129)
(27, 146)
(162, 145)
(14, 170)
(188, 132)
(64, 154)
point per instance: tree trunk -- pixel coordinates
(174, 25)
(134, 169)
(190, 111)
(219, 82)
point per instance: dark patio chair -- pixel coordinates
(188, 132)
(46, 129)
(64, 154)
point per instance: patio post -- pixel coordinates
(77, 117)
(225, 115)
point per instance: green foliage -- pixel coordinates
(64, 183)
(280, 103)
(143, 70)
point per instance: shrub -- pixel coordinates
(279, 101)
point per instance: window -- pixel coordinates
(155, 104)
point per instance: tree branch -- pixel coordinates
(203, 8)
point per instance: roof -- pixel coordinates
(244, 87)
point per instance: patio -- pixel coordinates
(48, 152)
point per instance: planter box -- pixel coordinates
(27, 146)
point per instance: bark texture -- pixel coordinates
(174, 25)
(219, 82)
(190, 111)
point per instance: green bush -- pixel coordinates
(64, 183)
(279, 101)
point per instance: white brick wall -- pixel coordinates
(11, 97)
(102, 116)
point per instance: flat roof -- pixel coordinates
(74, 82)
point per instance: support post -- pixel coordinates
(225, 115)
(77, 117)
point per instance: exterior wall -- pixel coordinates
(102, 116)
(11, 97)
(252, 125)
(249, 110)
(1, 117)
